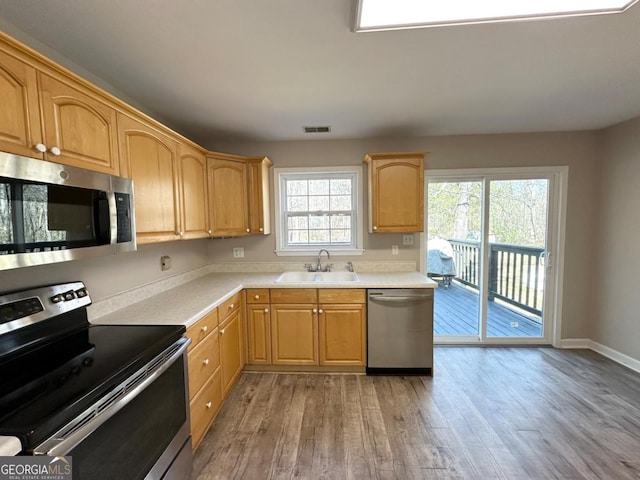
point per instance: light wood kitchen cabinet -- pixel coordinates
(228, 212)
(81, 127)
(258, 195)
(149, 158)
(294, 334)
(19, 115)
(231, 347)
(294, 326)
(193, 192)
(204, 407)
(396, 192)
(342, 334)
(232, 340)
(43, 117)
(258, 315)
(205, 382)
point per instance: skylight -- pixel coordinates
(399, 14)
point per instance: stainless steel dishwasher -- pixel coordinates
(400, 331)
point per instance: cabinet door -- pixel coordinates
(193, 192)
(19, 111)
(396, 193)
(81, 126)
(294, 335)
(342, 334)
(258, 191)
(230, 351)
(149, 158)
(228, 197)
(204, 359)
(259, 334)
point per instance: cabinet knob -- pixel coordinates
(40, 147)
(248, 230)
(222, 331)
(315, 310)
(257, 297)
(55, 151)
(320, 311)
(266, 310)
(209, 404)
(181, 234)
(206, 361)
(261, 229)
(209, 232)
(231, 306)
(375, 228)
(205, 328)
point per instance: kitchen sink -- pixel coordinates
(317, 277)
(332, 277)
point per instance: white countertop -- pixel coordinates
(187, 303)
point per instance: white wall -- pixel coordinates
(107, 276)
(617, 321)
(579, 150)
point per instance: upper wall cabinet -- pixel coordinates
(149, 158)
(228, 212)
(396, 192)
(258, 190)
(19, 114)
(79, 129)
(43, 117)
(193, 192)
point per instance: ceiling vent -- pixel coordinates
(317, 129)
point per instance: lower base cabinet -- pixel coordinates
(231, 353)
(305, 327)
(204, 407)
(294, 335)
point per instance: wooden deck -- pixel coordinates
(456, 313)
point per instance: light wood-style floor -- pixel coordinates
(488, 413)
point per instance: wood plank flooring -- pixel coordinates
(456, 308)
(488, 413)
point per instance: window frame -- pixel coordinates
(280, 175)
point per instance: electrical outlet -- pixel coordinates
(238, 252)
(165, 262)
(394, 249)
(407, 239)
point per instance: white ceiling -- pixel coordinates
(261, 69)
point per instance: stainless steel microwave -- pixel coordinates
(54, 213)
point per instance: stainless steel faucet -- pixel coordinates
(319, 265)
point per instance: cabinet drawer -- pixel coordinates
(204, 407)
(341, 295)
(203, 360)
(294, 295)
(229, 306)
(202, 328)
(257, 295)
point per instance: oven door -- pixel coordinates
(140, 433)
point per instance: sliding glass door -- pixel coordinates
(487, 245)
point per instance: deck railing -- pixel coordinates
(516, 272)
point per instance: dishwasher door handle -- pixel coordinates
(399, 299)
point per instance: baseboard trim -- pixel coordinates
(575, 343)
(615, 355)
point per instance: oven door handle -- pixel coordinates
(69, 436)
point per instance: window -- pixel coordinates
(318, 209)
(388, 15)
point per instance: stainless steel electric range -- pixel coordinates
(114, 398)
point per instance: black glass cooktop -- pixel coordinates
(46, 385)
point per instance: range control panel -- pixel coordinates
(19, 309)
